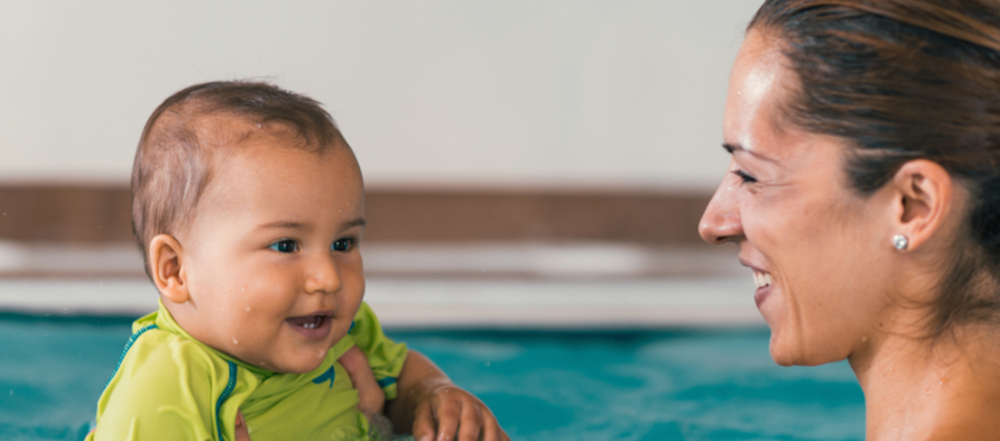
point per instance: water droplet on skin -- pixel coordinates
(235, 341)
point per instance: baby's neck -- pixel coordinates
(919, 389)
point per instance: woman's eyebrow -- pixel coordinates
(733, 148)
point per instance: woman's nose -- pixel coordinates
(324, 276)
(721, 221)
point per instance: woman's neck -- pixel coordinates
(916, 389)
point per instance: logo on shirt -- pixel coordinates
(330, 374)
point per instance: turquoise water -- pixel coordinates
(684, 385)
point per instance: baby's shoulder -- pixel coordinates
(168, 383)
(161, 357)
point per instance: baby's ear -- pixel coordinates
(165, 255)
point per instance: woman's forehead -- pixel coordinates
(758, 86)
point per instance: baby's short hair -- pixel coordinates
(186, 133)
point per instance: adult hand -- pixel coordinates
(242, 434)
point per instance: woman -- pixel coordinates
(864, 193)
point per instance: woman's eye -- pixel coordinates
(285, 246)
(342, 245)
(747, 179)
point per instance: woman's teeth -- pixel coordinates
(762, 279)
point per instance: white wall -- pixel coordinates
(512, 93)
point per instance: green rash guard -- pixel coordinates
(169, 386)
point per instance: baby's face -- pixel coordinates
(271, 257)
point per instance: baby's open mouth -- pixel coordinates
(312, 326)
(309, 321)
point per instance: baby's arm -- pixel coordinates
(370, 395)
(436, 409)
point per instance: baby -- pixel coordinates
(248, 206)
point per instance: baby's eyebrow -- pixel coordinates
(284, 225)
(354, 223)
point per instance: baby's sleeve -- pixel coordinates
(161, 398)
(385, 356)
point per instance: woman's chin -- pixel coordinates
(785, 351)
(781, 356)
(791, 352)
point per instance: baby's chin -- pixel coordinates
(300, 365)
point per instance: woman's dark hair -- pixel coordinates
(904, 80)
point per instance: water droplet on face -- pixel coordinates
(235, 341)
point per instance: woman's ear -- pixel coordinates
(166, 268)
(926, 195)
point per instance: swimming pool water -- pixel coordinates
(684, 385)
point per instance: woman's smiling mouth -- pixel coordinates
(763, 281)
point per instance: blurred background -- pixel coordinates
(527, 163)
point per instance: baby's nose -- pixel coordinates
(324, 276)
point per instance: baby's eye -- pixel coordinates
(285, 246)
(342, 245)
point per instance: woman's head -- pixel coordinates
(851, 121)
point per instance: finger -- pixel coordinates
(471, 423)
(491, 428)
(423, 423)
(448, 413)
(241, 432)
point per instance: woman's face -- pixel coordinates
(817, 249)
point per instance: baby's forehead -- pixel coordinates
(279, 182)
(271, 155)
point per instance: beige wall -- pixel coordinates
(522, 93)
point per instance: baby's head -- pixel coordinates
(248, 206)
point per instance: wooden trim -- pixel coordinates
(55, 213)
(100, 214)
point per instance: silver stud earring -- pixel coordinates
(900, 242)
